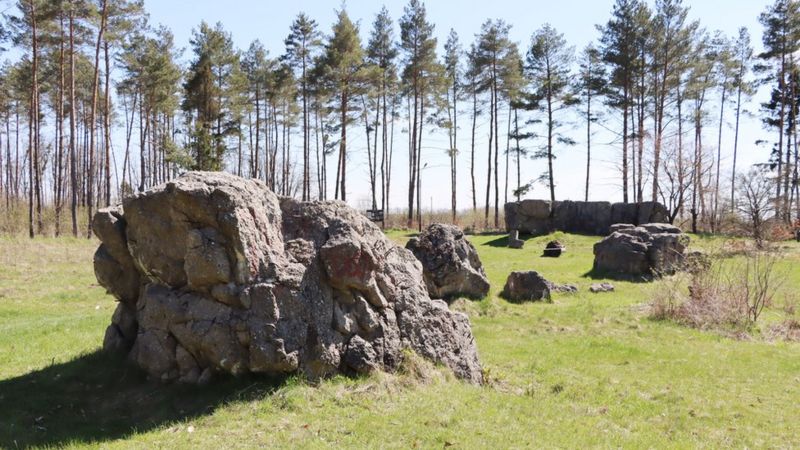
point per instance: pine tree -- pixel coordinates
(256, 67)
(474, 86)
(496, 58)
(725, 75)
(781, 40)
(342, 67)
(743, 52)
(672, 40)
(591, 85)
(210, 93)
(548, 65)
(452, 66)
(382, 53)
(419, 49)
(302, 42)
(618, 43)
(701, 81)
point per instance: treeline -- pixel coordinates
(95, 105)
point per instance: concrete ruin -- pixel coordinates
(542, 217)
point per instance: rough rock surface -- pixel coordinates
(553, 249)
(514, 241)
(450, 264)
(564, 288)
(541, 217)
(215, 273)
(646, 250)
(598, 288)
(526, 286)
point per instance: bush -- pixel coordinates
(720, 296)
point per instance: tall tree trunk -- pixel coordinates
(472, 148)
(419, 160)
(384, 145)
(257, 163)
(33, 154)
(496, 155)
(59, 161)
(72, 150)
(32, 121)
(681, 169)
(489, 160)
(736, 138)
(640, 150)
(715, 210)
(107, 124)
(371, 159)
(306, 146)
(625, 111)
(588, 141)
(412, 166)
(343, 145)
(550, 124)
(517, 137)
(390, 157)
(93, 119)
(508, 151)
(320, 162)
(454, 152)
(781, 121)
(788, 171)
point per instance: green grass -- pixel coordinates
(584, 371)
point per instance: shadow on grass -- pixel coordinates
(501, 241)
(602, 275)
(99, 397)
(502, 238)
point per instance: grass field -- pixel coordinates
(584, 371)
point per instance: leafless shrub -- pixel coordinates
(755, 201)
(721, 296)
(788, 330)
(756, 283)
(737, 247)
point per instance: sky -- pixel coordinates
(269, 22)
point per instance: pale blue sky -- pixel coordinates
(269, 22)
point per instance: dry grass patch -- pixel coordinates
(727, 296)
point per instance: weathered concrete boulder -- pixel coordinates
(540, 217)
(553, 249)
(528, 216)
(619, 227)
(581, 217)
(450, 264)
(215, 273)
(647, 250)
(526, 286)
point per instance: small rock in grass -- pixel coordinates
(601, 287)
(554, 249)
(564, 288)
(526, 286)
